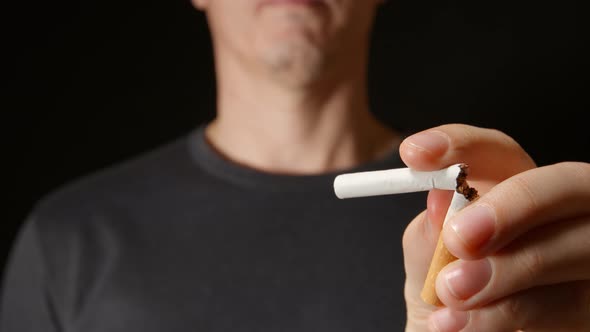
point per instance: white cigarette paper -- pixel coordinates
(458, 202)
(395, 181)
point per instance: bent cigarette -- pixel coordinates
(406, 180)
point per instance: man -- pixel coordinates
(236, 227)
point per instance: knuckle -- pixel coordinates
(461, 135)
(504, 139)
(531, 262)
(458, 138)
(512, 310)
(523, 186)
(580, 171)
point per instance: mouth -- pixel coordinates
(292, 2)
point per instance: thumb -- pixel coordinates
(419, 242)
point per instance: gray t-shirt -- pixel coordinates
(180, 239)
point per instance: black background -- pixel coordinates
(91, 83)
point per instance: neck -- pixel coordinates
(321, 127)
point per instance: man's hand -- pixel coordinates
(523, 246)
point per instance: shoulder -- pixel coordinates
(84, 226)
(129, 184)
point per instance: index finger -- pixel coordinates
(491, 154)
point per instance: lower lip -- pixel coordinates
(293, 2)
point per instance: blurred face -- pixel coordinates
(293, 40)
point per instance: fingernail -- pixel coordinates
(433, 141)
(467, 278)
(475, 226)
(447, 320)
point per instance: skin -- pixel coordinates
(293, 75)
(301, 69)
(524, 261)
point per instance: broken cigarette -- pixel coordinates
(406, 180)
(396, 181)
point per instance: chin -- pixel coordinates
(295, 64)
(294, 55)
